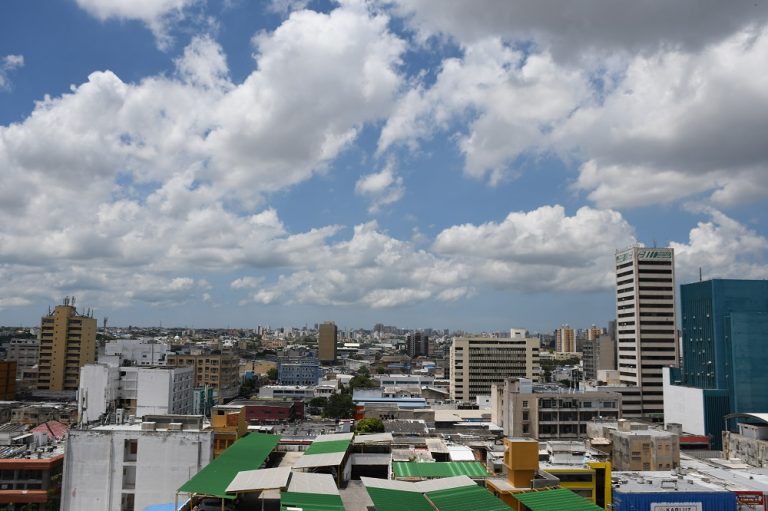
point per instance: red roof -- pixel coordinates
(54, 429)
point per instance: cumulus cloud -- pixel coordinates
(8, 64)
(157, 15)
(382, 188)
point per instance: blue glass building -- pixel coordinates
(725, 347)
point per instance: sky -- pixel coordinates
(420, 163)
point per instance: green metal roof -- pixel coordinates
(439, 469)
(311, 501)
(469, 497)
(396, 500)
(327, 447)
(560, 498)
(248, 453)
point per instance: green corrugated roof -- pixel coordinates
(311, 501)
(469, 497)
(439, 469)
(248, 453)
(560, 498)
(396, 500)
(327, 447)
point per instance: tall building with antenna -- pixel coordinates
(646, 325)
(67, 342)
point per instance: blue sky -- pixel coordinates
(464, 165)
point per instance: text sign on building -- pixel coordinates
(750, 501)
(654, 254)
(676, 506)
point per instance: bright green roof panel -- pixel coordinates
(327, 447)
(468, 497)
(248, 453)
(311, 501)
(560, 498)
(396, 500)
(439, 469)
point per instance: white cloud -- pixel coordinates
(7, 64)
(382, 188)
(722, 248)
(158, 15)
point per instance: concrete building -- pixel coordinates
(24, 352)
(594, 332)
(750, 444)
(7, 380)
(140, 352)
(67, 342)
(637, 446)
(547, 412)
(31, 482)
(229, 424)
(565, 339)
(135, 390)
(646, 327)
(305, 372)
(220, 371)
(597, 355)
(417, 344)
(476, 363)
(725, 355)
(286, 392)
(326, 342)
(130, 467)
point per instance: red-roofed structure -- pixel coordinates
(54, 429)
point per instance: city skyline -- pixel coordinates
(410, 163)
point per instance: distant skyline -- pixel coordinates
(420, 163)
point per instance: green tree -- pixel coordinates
(339, 407)
(370, 426)
(272, 374)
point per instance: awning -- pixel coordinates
(258, 480)
(560, 498)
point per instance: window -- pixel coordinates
(525, 404)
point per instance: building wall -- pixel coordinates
(139, 352)
(683, 405)
(477, 363)
(163, 391)
(25, 352)
(646, 325)
(30, 481)
(218, 371)
(749, 450)
(67, 342)
(97, 392)
(565, 340)
(7, 380)
(99, 466)
(326, 342)
(299, 373)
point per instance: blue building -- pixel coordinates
(725, 353)
(304, 373)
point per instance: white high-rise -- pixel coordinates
(646, 326)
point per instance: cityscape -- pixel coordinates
(357, 255)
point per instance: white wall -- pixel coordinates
(683, 405)
(97, 389)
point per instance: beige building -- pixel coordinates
(636, 446)
(565, 339)
(598, 355)
(220, 371)
(594, 332)
(25, 353)
(525, 410)
(476, 363)
(67, 342)
(326, 342)
(646, 327)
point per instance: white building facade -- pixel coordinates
(646, 323)
(140, 352)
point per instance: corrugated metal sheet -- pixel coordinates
(308, 482)
(439, 469)
(560, 498)
(395, 500)
(465, 498)
(326, 447)
(311, 501)
(706, 501)
(255, 480)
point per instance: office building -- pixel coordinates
(725, 355)
(326, 342)
(417, 344)
(548, 412)
(594, 332)
(219, 371)
(476, 363)
(565, 340)
(597, 355)
(299, 372)
(646, 327)
(133, 466)
(67, 343)
(25, 353)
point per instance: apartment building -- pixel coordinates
(476, 363)
(327, 341)
(25, 352)
(220, 371)
(636, 446)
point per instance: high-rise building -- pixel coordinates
(220, 371)
(598, 354)
(594, 332)
(645, 314)
(417, 344)
(476, 363)
(67, 342)
(565, 340)
(326, 342)
(725, 355)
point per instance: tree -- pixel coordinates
(370, 426)
(362, 380)
(318, 402)
(272, 374)
(339, 407)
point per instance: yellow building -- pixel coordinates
(565, 339)
(326, 342)
(228, 424)
(67, 342)
(591, 480)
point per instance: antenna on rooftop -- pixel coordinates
(700, 279)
